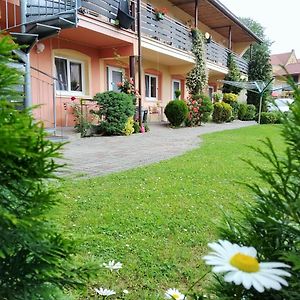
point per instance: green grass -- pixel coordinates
(157, 220)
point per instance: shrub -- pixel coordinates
(230, 98)
(129, 127)
(115, 108)
(217, 97)
(136, 127)
(222, 112)
(270, 117)
(271, 223)
(177, 94)
(246, 112)
(200, 108)
(176, 111)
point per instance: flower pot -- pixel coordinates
(125, 20)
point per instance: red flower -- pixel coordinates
(119, 84)
(195, 109)
(194, 102)
(73, 98)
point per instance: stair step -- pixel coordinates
(26, 39)
(42, 30)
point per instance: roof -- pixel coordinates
(292, 69)
(280, 59)
(219, 18)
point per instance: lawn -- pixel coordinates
(157, 220)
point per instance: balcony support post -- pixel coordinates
(196, 12)
(229, 38)
(139, 59)
(27, 78)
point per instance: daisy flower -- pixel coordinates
(174, 294)
(112, 265)
(104, 292)
(242, 267)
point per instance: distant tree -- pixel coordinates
(260, 67)
(233, 75)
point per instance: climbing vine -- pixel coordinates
(196, 80)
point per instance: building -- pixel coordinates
(76, 48)
(283, 64)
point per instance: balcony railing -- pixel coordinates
(167, 30)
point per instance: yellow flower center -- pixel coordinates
(176, 296)
(245, 263)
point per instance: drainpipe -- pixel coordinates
(27, 78)
(139, 58)
(196, 13)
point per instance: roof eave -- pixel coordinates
(234, 18)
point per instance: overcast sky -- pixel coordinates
(279, 18)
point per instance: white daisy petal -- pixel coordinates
(222, 269)
(257, 285)
(272, 265)
(276, 272)
(247, 281)
(277, 278)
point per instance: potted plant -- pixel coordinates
(160, 13)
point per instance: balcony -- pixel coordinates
(168, 31)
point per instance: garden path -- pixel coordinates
(96, 156)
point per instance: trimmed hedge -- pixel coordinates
(176, 111)
(222, 112)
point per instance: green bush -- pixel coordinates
(136, 127)
(270, 117)
(246, 112)
(115, 109)
(176, 111)
(222, 112)
(232, 100)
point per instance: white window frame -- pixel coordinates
(173, 90)
(109, 76)
(147, 97)
(69, 91)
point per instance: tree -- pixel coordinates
(35, 260)
(259, 61)
(233, 75)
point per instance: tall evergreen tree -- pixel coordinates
(233, 75)
(34, 258)
(260, 67)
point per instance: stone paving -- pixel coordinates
(97, 156)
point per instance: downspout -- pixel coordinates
(139, 59)
(27, 78)
(196, 13)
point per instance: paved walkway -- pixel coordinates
(103, 155)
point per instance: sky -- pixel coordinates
(279, 18)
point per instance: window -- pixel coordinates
(151, 87)
(176, 86)
(114, 76)
(69, 75)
